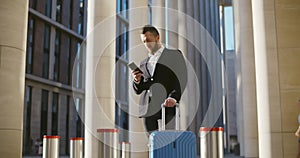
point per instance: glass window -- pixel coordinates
(81, 17)
(71, 14)
(68, 59)
(54, 129)
(58, 10)
(122, 81)
(125, 8)
(46, 51)
(29, 57)
(125, 42)
(118, 39)
(67, 124)
(79, 124)
(44, 113)
(56, 56)
(27, 140)
(122, 70)
(122, 121)
(122, 40)
(122, 7)
(48, 8)
(119, 6)
(79, 66)
(32, 4)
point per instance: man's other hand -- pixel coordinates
(170, 102)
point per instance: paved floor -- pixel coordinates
(226, 156)
(232, 156)
(229, 156)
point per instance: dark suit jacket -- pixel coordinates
(168, 80)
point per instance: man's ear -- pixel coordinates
(157, 37)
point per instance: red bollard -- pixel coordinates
(108, 143)
(76, 147)
(211, 142)
(51, 146)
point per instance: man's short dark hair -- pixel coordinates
(151, 29)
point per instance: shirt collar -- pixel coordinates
(158, 52)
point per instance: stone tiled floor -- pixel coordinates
(226, 156)
(232, 156)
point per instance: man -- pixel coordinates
(162, 80)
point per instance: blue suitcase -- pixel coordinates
(172, 143)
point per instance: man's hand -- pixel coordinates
(137, 75)
(170, 102)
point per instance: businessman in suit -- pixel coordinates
(162, 80)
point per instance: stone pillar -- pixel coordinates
(245, 75)
(13, 30)
(159, 18)
(181, 27)
(138, 9)
(283, 43)
(270, 111)
(100, 72)
(182, 45)
(171, 18)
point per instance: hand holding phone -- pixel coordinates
(134, 67)
(137, 72)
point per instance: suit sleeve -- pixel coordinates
(180, 79)
(142, 85)
(138, 87)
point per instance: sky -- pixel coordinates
(229, 28)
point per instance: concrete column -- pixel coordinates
(138, 9)
(270, 112)
(100, 72)
(13, 30)
(181, 27)
(159, 18)
(245, 75)
(283, 43)
(182, 45)
(171, 21)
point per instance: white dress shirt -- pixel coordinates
(153, 58)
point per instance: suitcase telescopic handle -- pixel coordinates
(163, 117)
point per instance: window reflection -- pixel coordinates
(46, 51)
(29, 54)
(121, 69)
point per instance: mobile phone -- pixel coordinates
(134, 67)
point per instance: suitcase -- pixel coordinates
(172, 143)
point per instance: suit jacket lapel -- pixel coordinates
(161, 58)
(145, 68)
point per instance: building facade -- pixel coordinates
(54, 73)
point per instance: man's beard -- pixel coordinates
(155, 48)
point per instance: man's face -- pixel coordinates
(150, 41)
